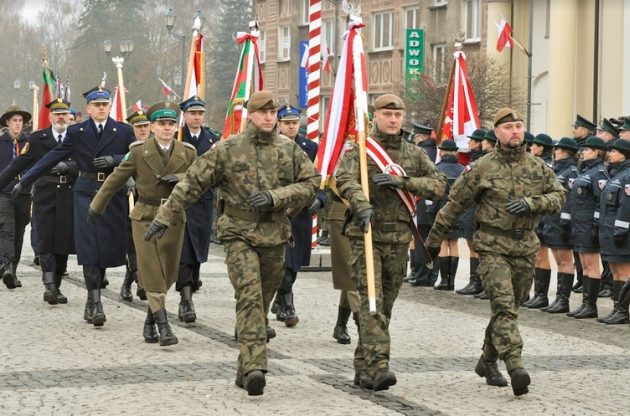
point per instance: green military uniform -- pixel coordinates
(254, 238)
(506, 243)
(391, 234)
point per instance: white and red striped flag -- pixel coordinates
(117, 111)
(313, 68)
(505, 35)
(166, 89)
(137, 105)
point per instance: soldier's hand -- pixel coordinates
(518, 206)
(60, 168)
(385, 179)
(433, 252)
(260, 199)
(17, 189)
(155, 228)
(364, 219)
(130, 185)
(315, 206)
(92, 216)
(620, 240)
(172, 179)
(104, 162)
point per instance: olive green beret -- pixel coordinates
(506, 115)
(389, 101)
(262, 100)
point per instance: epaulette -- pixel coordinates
(189, 145)
(136, 143)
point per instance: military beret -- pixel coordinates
(626, 124)
(389, 101)
(506, 115)
(622, 146)
(609, 127)
(582, 122)
(544, 140)
(288, 112)
(261, 100)
(567, 143)
(529, 138)
(449, 145)
(97, 95)
(163, 111)
(12, 111)
(58, 106)
(421, 128)
(595, 142)
(138, 118)
(490, 136)
(194, 103)
(477, 135)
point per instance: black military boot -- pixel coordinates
(50, 291)
(186, 312)
(291, 317)
(149, 332)
(8, 277)
(271, 333)
(542, 277)
(490, 370)
(324, 239)
(519, 378)
(474, 281)
(277, 308)
(482, 295)
(585, 296)
(591, 287)
(556, 299)
(130, 277)
(363, 380)
(453, 272)
(166, 334)
(445, 270)
(340, 332)
(60, 296)
(254, 382)
(98, 315)
(616, 289)
(384, 379)
(621, 315)
(565, 280)
(412, 266)
(87, 311)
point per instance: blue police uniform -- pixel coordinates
(585, 195)
(557, 227)
(614, 219)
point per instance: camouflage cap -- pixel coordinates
(389, 101)
(506, 115)
(262, 100)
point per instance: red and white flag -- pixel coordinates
(117, 111)
(137, 105)
(505, 35)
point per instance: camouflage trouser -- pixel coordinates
(390, 263)
(255, 273)
(507, 281)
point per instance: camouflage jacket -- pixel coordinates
(492, 181)
(391, 221)
(240, 166)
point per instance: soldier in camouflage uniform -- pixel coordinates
(512, 189)
(391, 228)
(259, 174)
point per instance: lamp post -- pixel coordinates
(126, 48)
(169, 20)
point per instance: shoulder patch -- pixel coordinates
(25, 149)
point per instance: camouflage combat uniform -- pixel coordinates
(506, 243)
(254, 239)
(391, 234)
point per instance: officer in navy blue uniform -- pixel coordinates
(14, 209)
(298, 253)
(97, 145)
(198, 215)
(52, 200)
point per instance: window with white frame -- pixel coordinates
(284, 43)
(412, 17)
(328, 34)
(472, 24)
(439, 63)
(305, 15)
(382, 30)
(262, 47)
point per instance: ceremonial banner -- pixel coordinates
(48, 89)
(303, 75)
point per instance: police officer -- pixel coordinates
(14, 209)
(582, 129)
(97, 145)
(155, 164)
(259, 174)
(198, 215)
(422, 137)
(298, 252)
(512, 189)
(391, 228)
(52, 200)
(607, 131)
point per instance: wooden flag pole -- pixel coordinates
(438, 136)
(35, 116)
(191, 62)
(118, 61)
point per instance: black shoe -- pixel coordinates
(603, 319)
(141, 293)
(125, 289)
(541, 288)
(519, 379)
(149, 332)
(619, 317)
(384, 379)
(324, 239)
(8, 277)
(445, 273)
(271, 333)
(186, 312)
(472, 288)
(98, 315)
(577, 287)
(490, 370)
(565, 280)
(60, 297)
(589, 311)
(539, 301)
(87, 311)
(340, 333)
(482, 295)
(50, 290)
(36, 260)
(166, 334)
(254, 383)
(579, 310)
(605, 292)
(291, 318)
(363, 380)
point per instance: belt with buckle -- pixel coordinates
(99, 176)
(515, 234)
(62, 179)
(152, 202)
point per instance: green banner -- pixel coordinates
(414, 52)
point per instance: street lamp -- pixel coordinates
(107, 45)
(169, 20)
(126, 46)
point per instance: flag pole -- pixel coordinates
(35, 116)
(118, 61)
(449, 86)
(189, 69)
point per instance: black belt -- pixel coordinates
(152, 202)
(62, 179)
(515, 234)
(99, 176)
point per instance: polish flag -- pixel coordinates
(505, 35)
(137, 105)
(117, 111)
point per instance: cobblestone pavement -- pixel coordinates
(55, 364)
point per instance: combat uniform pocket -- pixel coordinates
(137, 213)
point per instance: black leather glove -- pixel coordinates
(17, 189)
(364, 219)
(433, 252)
(60, 168)
(385, 179)
(565, 233)
(92, 216)
(260, 199)
(155, 228)
(620, 240)
(315, 206)
(518, 206)
(104, 162)
(172, 179)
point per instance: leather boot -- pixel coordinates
(98, 315)
(271, 333)
(519, 378)
(60, 297)
(453, 272)
(341, 329)
(186, 312)
(289, 309)
(277, 308)
(384, 379)
(254, 382)
(149, 332)
(616, 289)
(8, 277)
(445, 268)
(565, 280)
(585, 296)
(50, 291)
(412, 266)
(474, 282)
(166, 335)
(141, 293)
(87, 311)
(482, 295)
(591, 286)
(621, 315)
(363, 380)
(125, 289)
(542, 278)
(557, 298)
(490, 370)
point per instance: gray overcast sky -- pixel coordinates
(31, 8)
